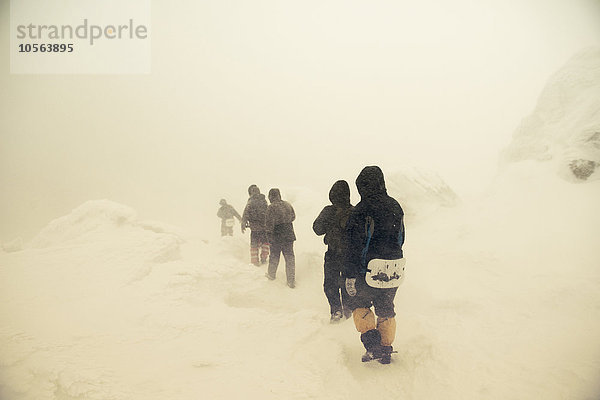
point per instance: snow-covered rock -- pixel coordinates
(564, 128)
(419, 191)
(90, 217)
(96, 220)
(13, 245)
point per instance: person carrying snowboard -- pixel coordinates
(254, 217)
(331, 222)
(375, 235)
(226, 213)
(280, 228)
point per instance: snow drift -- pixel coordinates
(500, 302)
(96, 220)
(564, 128)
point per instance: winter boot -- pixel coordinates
(372, 341)
(336, 317)
(386, 354)
(270, 277)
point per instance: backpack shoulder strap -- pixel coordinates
(369, 229)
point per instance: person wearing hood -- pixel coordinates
(375, 235)
(254, 217)
(227, 213)
(280, 228)
(331, 222)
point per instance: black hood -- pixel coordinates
(339, 195)
(274, 195)
(253, 189)
(370, 182)
(257, 197)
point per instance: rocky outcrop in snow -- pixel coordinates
(565, 126)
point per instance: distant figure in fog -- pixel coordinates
(226, 213)
(254, 217)
(331, 222)
(280, 216)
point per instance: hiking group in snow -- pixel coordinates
(364, 263)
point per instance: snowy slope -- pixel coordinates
(502, 301)
(564, 127)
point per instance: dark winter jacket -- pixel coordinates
(332, 220)
(255, 212)
(226, 212)
(375, 228)
(280, 215)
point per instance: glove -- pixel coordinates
(351, 286)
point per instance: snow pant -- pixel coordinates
(334, 283)
(382, 300)
(258, 240)
(287, 248)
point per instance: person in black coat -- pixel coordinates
(331, 222)
(280, 230)
(254, 217)
(375, 231)
(227, 213)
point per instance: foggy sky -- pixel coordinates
(280, 94)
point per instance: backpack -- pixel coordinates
(336, 236)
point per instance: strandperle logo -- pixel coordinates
(85, 30)
(80, 37)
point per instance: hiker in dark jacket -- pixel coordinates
(226, 213)
(331, 222)
(254, 217)
(280, 215)
(375, 232)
